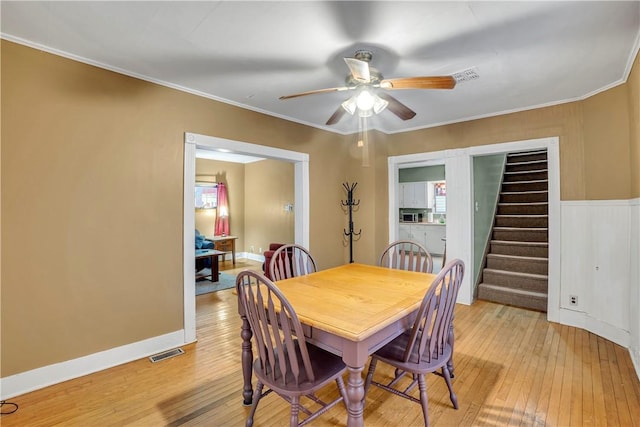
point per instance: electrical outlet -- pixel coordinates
(573, 300)
(260, 250)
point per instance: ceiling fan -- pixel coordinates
(368, 82)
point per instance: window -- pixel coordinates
(206, 195)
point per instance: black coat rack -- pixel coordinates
(350, 203)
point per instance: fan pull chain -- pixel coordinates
(363, 140)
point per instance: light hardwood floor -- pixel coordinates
(512, 368)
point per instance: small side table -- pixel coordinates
(225, 244)
(213, 255)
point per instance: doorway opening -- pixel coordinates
(460, 207)
(300, 205)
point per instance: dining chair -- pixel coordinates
(426, 347)
(286, 363)
(406, 255)
(291, 260)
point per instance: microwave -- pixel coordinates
(411, 217)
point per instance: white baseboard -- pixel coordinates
(583, 321)
(635, 358)
(253, 257)
(35, 379)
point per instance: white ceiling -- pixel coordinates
(527, 53)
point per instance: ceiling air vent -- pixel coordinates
(166, 355)
(466, 75)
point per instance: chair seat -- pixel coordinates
(393, 354)
(326, 366)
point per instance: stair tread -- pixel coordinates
(518, 243)
(520, 228)
(522, 203)
(518, 274)
(524, 192)
(524, 172)
(528, 181)
(528, 153)
(523, 215)
(528, 162)
(515, 291)
(518, 257)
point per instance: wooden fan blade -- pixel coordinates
(397, 107)
(335, 117)
(359, 69)
(313, 92)
(434, 82)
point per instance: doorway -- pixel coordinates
(300, 205)
(459, 224)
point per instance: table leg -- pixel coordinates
(355, 396)
(233, 252)
(215, 269)
(247, 360)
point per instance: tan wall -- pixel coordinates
(606, 145)
(269, 187)
(92, 166)
(233, 176)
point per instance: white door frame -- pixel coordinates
(301, 205)
(459, 231)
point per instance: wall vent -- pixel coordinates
(466, 75)
(166, 355)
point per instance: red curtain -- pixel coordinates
(222, 214)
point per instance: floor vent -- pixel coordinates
(166, 355)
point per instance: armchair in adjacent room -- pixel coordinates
(267, 258)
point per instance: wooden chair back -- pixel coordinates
(291, 261)
(430, 330)
(407, 255)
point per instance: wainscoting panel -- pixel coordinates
(634, 297)
(595, 267)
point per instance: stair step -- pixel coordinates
(516, 280)
(534, 185)
(521, 234)
(528, 155)
(534, 208)
(534, 249)
(531, 165)
(516, 297)
(526, 175)
(520, 264)
(524, 196)
(525, 221)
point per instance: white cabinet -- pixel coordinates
(404, 232)
(413, 195)
(413, 232)
(428, 235)
(433, 239)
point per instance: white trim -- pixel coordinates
(634, 284)
(122, 71)
(189, 236)
(193, 141)
(584, 321)
(45, 376)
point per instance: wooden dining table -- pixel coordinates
(351, 310)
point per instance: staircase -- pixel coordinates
(516, 265)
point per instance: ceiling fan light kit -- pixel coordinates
(366, 102)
